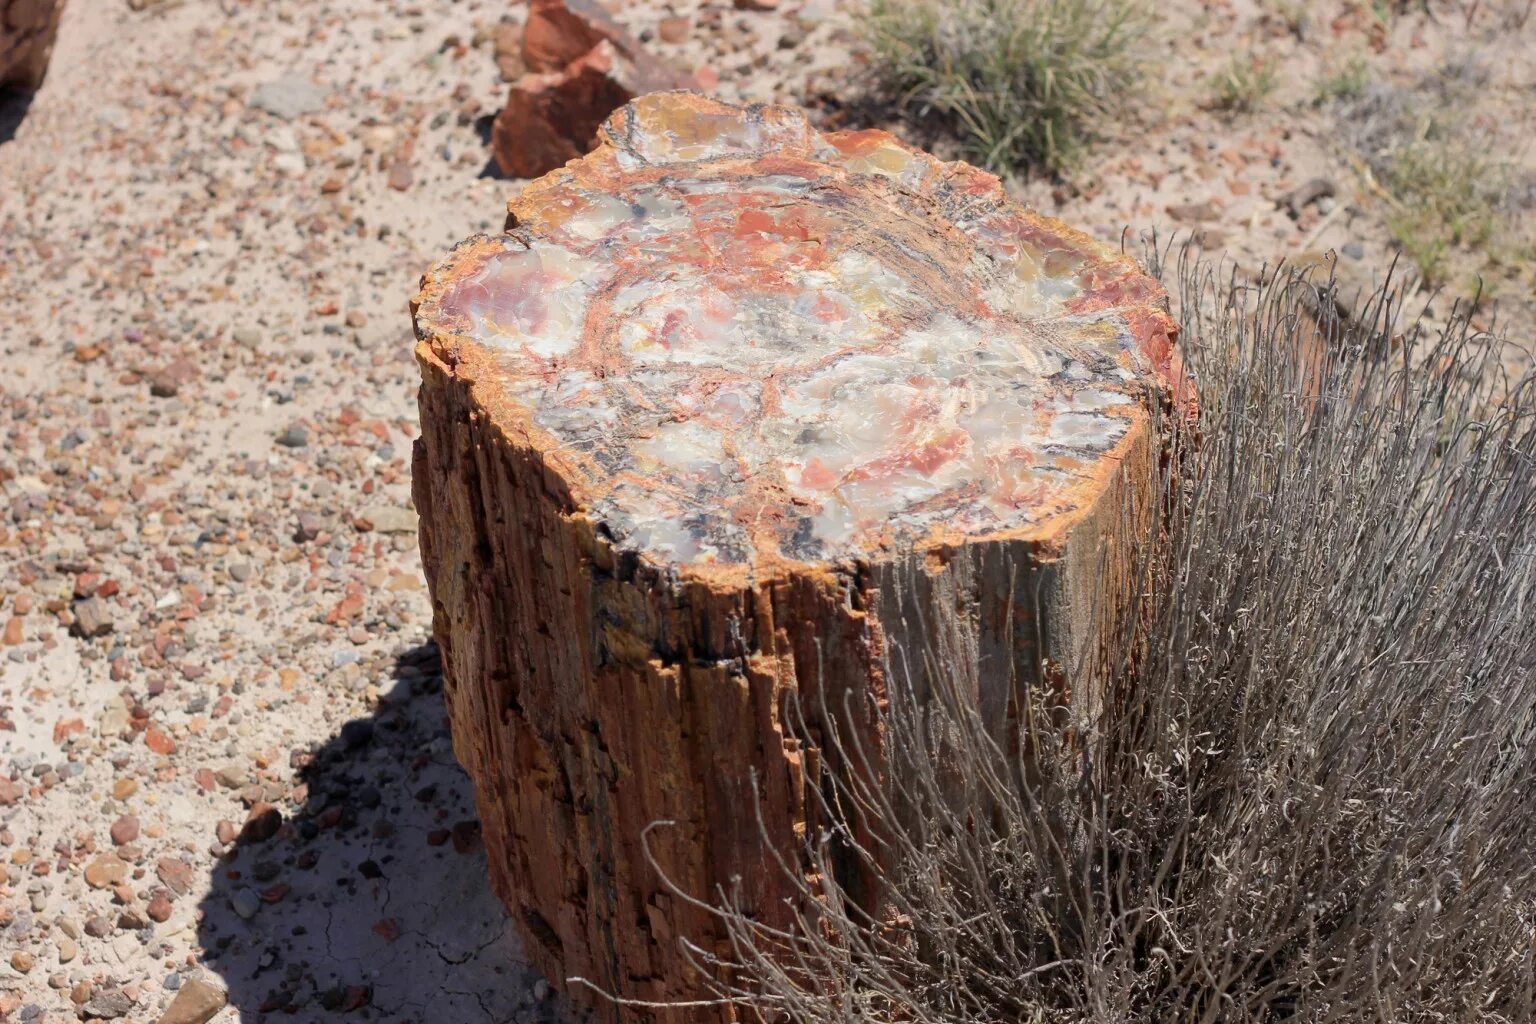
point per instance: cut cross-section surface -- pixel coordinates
(737, 338)
(735, 418)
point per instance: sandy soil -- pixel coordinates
(222, 752)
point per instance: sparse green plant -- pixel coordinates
(1347, 83)
(1443, 193)
(1309, 791)
(1449, 200)
(1243, 85)
(1020, 83)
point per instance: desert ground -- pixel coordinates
(223, 759)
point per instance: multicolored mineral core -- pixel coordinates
(738, 339)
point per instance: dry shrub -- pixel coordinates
(1019, 82)
(1313, 796)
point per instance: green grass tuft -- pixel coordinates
(1244, 85)
(1446, 196)
(1347, 83)
(1019, 82)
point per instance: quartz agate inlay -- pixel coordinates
(734, 337)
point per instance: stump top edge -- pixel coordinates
(735, 341)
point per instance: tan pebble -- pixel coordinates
(108, 869)
(196, 1002)
(22, 961)
(68, 949)
(674, 29)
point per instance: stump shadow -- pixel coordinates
(484, 125)
(14, 104)
(372, 902)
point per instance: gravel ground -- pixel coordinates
(223, 758)
(223, 761)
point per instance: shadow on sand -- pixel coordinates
(372, 902)
(13, 110)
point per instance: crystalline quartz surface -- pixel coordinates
(736, 336)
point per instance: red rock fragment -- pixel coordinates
(356, 997)
(175, 874)
(125, 830)
(402, 173)
(582, 66)
(159, 908)
(159, 741)
(347, 609)
(262, 824)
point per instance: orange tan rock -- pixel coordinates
(728, 402)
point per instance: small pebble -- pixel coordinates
(245, 903)
(125, 830)
(295, 435)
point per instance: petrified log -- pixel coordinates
(726, 402)
(27, 30)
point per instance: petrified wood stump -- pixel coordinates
(726, 397)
